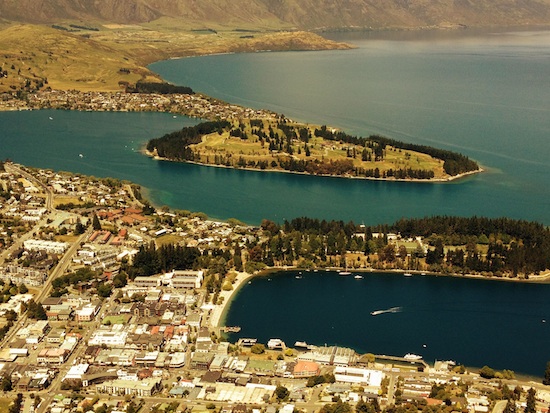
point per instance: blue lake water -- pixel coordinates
(474, 322)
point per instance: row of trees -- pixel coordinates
(175, 145)
(160, 88)
(512, 246)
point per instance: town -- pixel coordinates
(85, 328)
(193, 105)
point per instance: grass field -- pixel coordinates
(118, 319)
(215, 148)
(168, 239)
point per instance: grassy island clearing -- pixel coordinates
(281, 144)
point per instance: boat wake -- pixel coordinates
(389, 310)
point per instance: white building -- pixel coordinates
(371, 379)
(51, 247)
(108, 338)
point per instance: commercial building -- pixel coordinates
(140, 388)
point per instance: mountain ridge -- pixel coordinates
(298, 14)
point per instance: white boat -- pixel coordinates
(389, 310)
(358, 277)
(298, 277)
(410, 356)
(408, 274)
(344, 273)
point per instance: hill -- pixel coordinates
(69, 57)
(300, 14)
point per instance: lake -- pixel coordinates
(475, 322)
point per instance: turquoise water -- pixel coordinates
(487, 96)
(475, 322)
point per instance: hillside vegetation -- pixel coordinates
(91, 57)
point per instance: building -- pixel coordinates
(140, 388)
(108, 338)
(371, 379)
(87, 312)
(306, 369)
(51, 247)
(52, 356)
(186, 279)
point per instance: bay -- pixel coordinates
(474, 322)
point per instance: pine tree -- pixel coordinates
(530, 406)
(96, 225)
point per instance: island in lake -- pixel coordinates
(277, 143)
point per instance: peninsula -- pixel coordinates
(277, 143)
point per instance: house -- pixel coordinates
(306, 369)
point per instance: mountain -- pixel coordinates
(301, 14)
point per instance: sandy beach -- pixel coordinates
(218, 313)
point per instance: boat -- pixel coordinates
(344, 273)
(410, 356)
(298, 277)
(389, 310)
(408, 274)
(358, 277)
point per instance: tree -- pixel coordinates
(282, 393)
(96, 225)
(23, 289)
(257, 348)
(104, 290)
(530, 401)
(487, 372)
(36, 311)
(6, 384)
(79, 228)
(510, 407)
(546, 379)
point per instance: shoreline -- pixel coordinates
(368, 178)
(219, 313)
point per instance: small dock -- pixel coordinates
(402, 360)
(230, 329)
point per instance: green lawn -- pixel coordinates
(116, 319)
